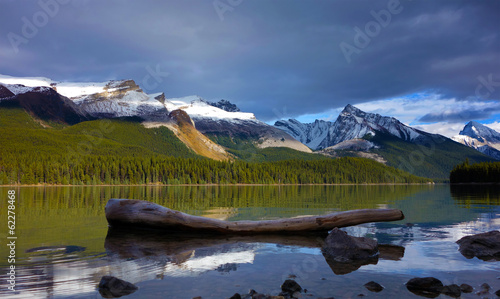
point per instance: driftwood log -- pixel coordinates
(139, 213)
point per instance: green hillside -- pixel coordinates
(246, 150)
(433, 159)
(21, 135)
(122, 151)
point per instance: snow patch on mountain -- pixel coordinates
(21, 89)
(132, 103)
(354, 144)
(70, 90)
(26, 81)
(197, 107)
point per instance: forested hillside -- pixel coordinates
(486, 172)
(433, 159)
(122, 151)
(95, 170)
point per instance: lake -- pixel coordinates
(63, 245)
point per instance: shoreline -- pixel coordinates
(225, 185)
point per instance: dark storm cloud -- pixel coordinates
(269, 57)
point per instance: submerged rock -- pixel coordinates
(373, 286)
(452, 290)
(429, 287)
(112, 287)
(466, 288)
(485, 246)
(485, 289)
(256, 295)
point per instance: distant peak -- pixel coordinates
(474, 123)
(480, 132)
(351, 109)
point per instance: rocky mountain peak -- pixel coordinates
(352, 110)
(480, 132)
(225, 105)
(181, 118)
(352, 123)
(481, 138)
(44, 103)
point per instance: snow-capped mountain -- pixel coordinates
(42, 102)
(125, 98)
(481, 138)
(104, 99)
(210, 119)
(352, 123)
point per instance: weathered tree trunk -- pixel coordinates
(139, 213)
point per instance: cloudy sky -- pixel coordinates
(432, 64)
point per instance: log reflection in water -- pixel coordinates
(182, 250)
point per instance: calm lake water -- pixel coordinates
(64, 246)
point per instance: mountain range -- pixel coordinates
(124, 98)
(220, 131)
(384, 139)
(352, 123)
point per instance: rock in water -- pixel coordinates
(466, 288)
(291, 286)
(373, 286)
(345, 254)
(485, 246)
(343, 248)
(429, 287)
(112, 287)
(452, 290)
